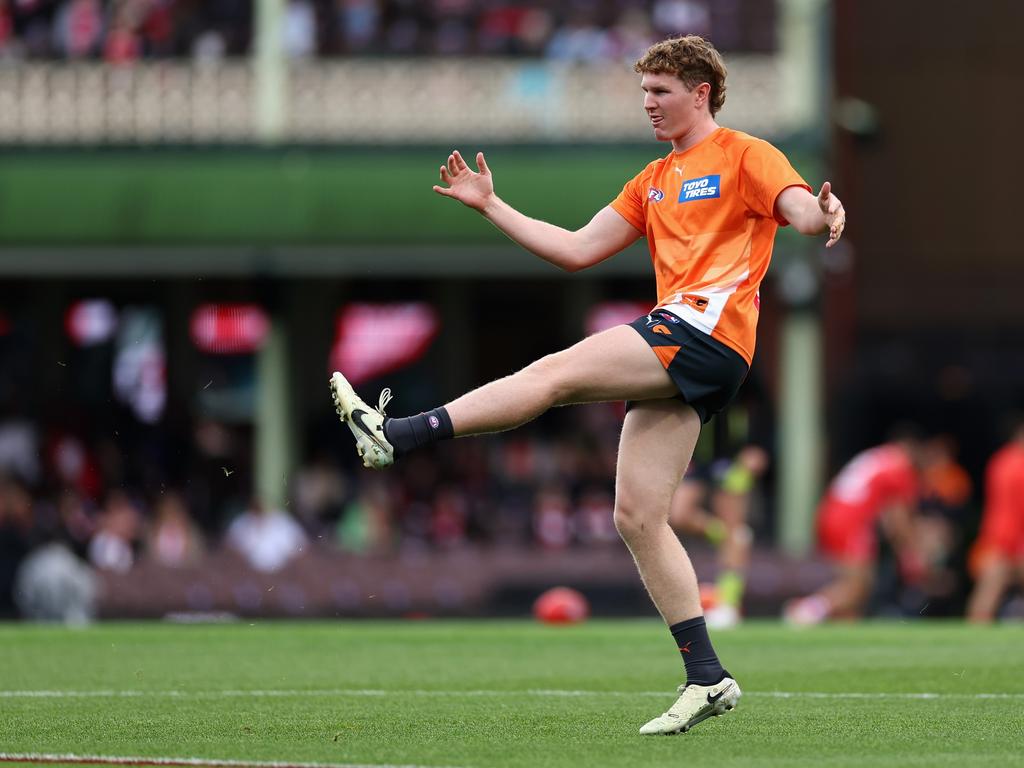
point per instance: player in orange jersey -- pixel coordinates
(997, 557)
(709, 210)
(878, 486)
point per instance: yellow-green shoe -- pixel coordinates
(696, 703)
(366, 423)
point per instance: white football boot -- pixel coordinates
(366, 423)
(695, 704)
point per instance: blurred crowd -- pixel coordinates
(124, 31)
(900, 523)
(113, 508)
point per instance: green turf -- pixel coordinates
(472, 694)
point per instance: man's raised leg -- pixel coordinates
(616, 364)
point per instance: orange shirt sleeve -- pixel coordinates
(630, 203)
(764, 173)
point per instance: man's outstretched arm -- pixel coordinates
(812, 215)
(605, 235)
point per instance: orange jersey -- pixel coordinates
(709, 217)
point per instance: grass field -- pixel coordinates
(510, 694)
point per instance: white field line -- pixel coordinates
(195, 762)
(380, 692)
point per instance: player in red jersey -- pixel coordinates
(709, 210)
(878, 488)
(997, 557)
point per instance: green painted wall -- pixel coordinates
(288, 196)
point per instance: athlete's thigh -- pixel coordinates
(616, 364)
(658, 437)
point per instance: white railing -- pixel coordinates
(396, 102)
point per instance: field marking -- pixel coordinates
(380, 692)
(194, 762)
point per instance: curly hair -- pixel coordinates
(693, 60)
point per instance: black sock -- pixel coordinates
(702, 665)
(415, 431)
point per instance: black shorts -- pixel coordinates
(706, 372)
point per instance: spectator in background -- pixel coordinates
(118, 531)
(78, 32)
(594, 519)
(19, 448)
(319, 495)
(673, 17)
(367, 524)
(358, 23)
(450, 518)
(123, 43)
(16, 537)
(6, 29)
(879, 486)
(173, 538)
(997, 557)
(54, 585)
(268, 539)
(299, 29)
(553, 526)
(77, 520)
(580, 39)
(75, 466)
(126, 31)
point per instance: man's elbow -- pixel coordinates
(574, 263)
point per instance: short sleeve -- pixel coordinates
(630, 203)
(764, 173)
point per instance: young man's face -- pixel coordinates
(672, 108)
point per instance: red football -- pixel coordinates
(561, 605)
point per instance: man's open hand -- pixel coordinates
(834, 213)
(472, 188)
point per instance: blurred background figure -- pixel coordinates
(997, 557)
(268, 539)
(16, 537)
(52, 584)
(173, 539)
(714, 502)
(367, 523)
(118, 532)
(877, 491)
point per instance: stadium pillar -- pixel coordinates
(270, 71)
(806, 83)
(275, 440)
(800, 429)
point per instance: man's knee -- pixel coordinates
(635, 519)
(551, 377)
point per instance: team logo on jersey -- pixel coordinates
(702, 188)
(655, 195)
(700, 303)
